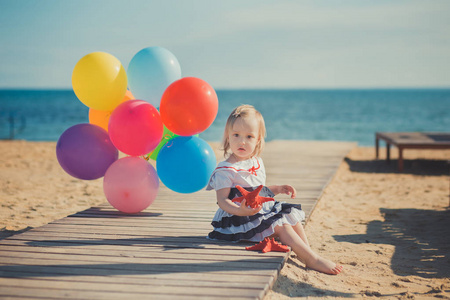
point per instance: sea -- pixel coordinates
(331, 115)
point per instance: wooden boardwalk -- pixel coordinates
(162, 252)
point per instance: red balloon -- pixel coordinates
(188, 106)
(135, 127)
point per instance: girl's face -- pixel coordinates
(243, 137)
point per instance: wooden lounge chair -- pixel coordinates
(411, 140)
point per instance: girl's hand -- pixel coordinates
(244, 210)
(288, 190)
(233, 208)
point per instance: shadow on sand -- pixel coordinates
(113, 269)
(420, 237)
(4, 233)
(93, 212)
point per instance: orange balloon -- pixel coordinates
(188, 106)
(128, 96)
(101, 117)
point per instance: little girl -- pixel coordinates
(243, 142)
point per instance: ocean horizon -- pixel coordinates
(290, 114)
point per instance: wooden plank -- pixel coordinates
(179, 279)
(124, 251)
(129, 221)
(118, 230)
(37, 271)
(236, 267)
(162, 252)
(203, 280)
(120, 286)
(169, 293)
(11, 257)
(158, 241)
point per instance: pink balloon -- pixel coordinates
(131, 184)
(135, 127)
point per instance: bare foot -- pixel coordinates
(325, 266)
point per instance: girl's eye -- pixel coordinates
(249, 136)
(235, 135)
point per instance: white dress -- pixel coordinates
(249, 174)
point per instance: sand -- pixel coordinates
(35, 190)
(390, 231)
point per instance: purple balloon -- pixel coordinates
(85, 151)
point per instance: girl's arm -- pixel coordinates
(283, 189)
(232, 208)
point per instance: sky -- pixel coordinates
(234, 44)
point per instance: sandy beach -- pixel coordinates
(390, 231)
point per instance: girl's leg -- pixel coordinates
(298, 228)
(288, 236)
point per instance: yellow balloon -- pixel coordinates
(99, 81)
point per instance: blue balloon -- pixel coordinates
(150, 72)
(85, 151)
(185, 164)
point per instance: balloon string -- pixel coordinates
(165, 137)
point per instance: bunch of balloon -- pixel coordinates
(90, 151)
(120, 122)
(185, 162)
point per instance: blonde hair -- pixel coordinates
(244, 111)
